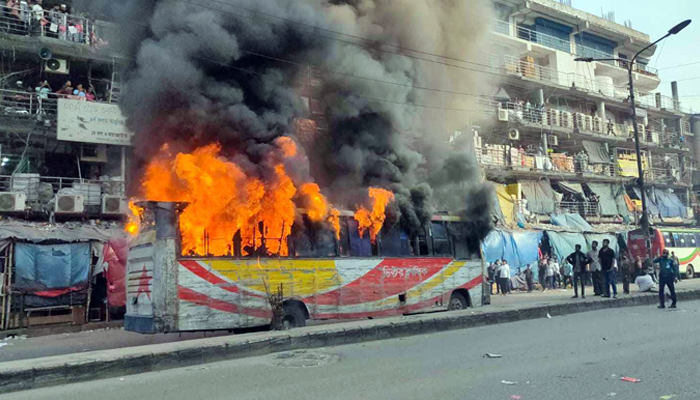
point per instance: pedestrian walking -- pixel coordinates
(566, 270)
(492, 275)
(667, 275)
(504, 275)
(549, 273)
(528, 278)
(596, 271)
(542, 267)
(606, 257)
(626, 272)
(579, 261)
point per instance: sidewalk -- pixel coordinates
(70, 368)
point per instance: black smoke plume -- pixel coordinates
(243, 72)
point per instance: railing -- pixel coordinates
(502, 27)
(22, 21)
(42, 107)
(38, 188)
(585, 51)
(584, 208)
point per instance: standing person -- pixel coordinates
(491, 274)
(606, 256)
(549, 274)
(579, 261)
(566, 270)
(667, 274)
(504, 275)
(626, 271)
(596, 271)
(677, 265)
(541, 269)
(528, 278)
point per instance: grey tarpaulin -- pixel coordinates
(670, 205)
(607, 205)
(652, 208)
(573, 188)
(539, 195)
(597, 153)
(563, 242)
(619, 192)
(64, 232)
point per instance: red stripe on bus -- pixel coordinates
(396, 311)
(391, 277)
(197, 269)
(200, 299)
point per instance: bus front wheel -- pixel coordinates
(457, 302)
(294, 316)
(690, 272)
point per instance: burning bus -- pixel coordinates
(350, 276)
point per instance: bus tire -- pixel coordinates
(294, 316)
(690, 272)
(457, 302)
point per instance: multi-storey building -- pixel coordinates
(56, 140)
(562, 131)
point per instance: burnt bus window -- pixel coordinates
(459, 241)
(441, 239)
(422, 244)
(359, 246)
(309, 240)
(394, 242)
(344, 241)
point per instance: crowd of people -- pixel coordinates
(30, 17)
(598, 268)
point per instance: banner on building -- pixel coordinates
(92, 122)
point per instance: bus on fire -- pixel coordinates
(334, 276)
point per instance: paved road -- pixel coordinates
(582, 356)
(117, 338)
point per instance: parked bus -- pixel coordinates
(346, 278)
(685, 243)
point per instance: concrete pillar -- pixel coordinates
(540, 97)
(695, 127)
(601, 111)
(674, 94)
(658, 100)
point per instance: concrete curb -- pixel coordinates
(65, 369)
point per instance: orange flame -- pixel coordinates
(316, 204)
(374, 220)
(133, 224)
(334, 220)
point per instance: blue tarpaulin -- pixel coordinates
(59, 266)
(563, 243)
(518, 248)
(571, 221)
(669, 205)
(652, 207)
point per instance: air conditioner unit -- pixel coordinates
(96, 153)
(597, 125)
(513, 134)
(113, 205)
(70, 204)
(553, 140)
(567, 120)
(553, 117)
(642, 129)
(12, 202)
(57, 66)
(579, 121)
(588, 123)
(502, 115)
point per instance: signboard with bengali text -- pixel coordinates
(92, 122)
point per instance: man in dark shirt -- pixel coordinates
(667, 274)
(528, 278)
(606, 255)
(579, 261)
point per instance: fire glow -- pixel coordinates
(223, 199)
(373, 220)
(133, 224)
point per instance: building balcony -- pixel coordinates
(63, 27)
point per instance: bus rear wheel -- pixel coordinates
(689, 272)
(457, 302)
(293, 317)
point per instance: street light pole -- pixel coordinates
(646, 228)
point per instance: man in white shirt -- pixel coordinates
(645, 283)
(504, 277)
(596, 269)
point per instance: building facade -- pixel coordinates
(559, 136)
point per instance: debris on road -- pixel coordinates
(491, 355)
(549, 316)
(509, 383)
(612, 394)
(667, 397)
(516, 397)
(628, 379)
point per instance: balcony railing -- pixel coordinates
(42, 107)
(35, 187)
(61, 26)
(585, 51)
(584, 208)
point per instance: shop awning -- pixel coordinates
(597, 153)
(506, 205)
(606, 198)
(573, 188)
(539, 195)
(670, 206)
